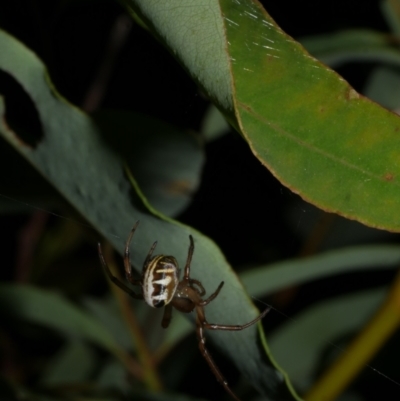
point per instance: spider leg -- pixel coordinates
(115, 280)
(166, 320)
(127, 261)
(212, 296)
(236, 327)
(148, 257)
(189, 259)
(207, 356)
(197, 282)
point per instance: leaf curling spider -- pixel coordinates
(161, 287)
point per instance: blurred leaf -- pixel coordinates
(314, 132)
(74, 363)
(351, 396)
(214, 124)
(109, 314)
(356, 45)
(147, 396)
(75, 159)
(383, 86)
(57, 242)
(298, 345)
(391, 11)
(167, 161)
(112, 375)
(50, 309)
(9, 391)
(177, 331)
(265, 280)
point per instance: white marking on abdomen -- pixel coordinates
(161, 297)
(170, 270)
(149, 288)
(165, 281)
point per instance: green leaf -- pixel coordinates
(214, 124)
(147, 396)
(383, 86)
(53, 311)
(316, 134)
(265, 280)
(356, 45)
(148, 144)
(112, 376)
(10, 391)
(299, 344)
(391, 12)
(74, 363)
(73, 156)
(23, 188)
(108, 313)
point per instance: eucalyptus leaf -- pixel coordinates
(75, 159)
(214, 124)
(391, 12)
(51, 310)
(310, 128)
(147, 396)
(299, 344)
(74, 363)
(355, 45)
(265, 280)
(109, 314)
(167, 161)
(383, 86)
(112, 376)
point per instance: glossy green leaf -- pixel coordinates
(73, 156)
(314, 132)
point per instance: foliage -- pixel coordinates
(101, 127)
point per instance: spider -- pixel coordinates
(161, 287)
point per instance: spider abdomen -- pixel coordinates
(161, 278)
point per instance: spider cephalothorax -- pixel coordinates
(161, 287)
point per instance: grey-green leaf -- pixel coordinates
(50, 309)
(74, 158)
(299, 344)
(265, 280)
